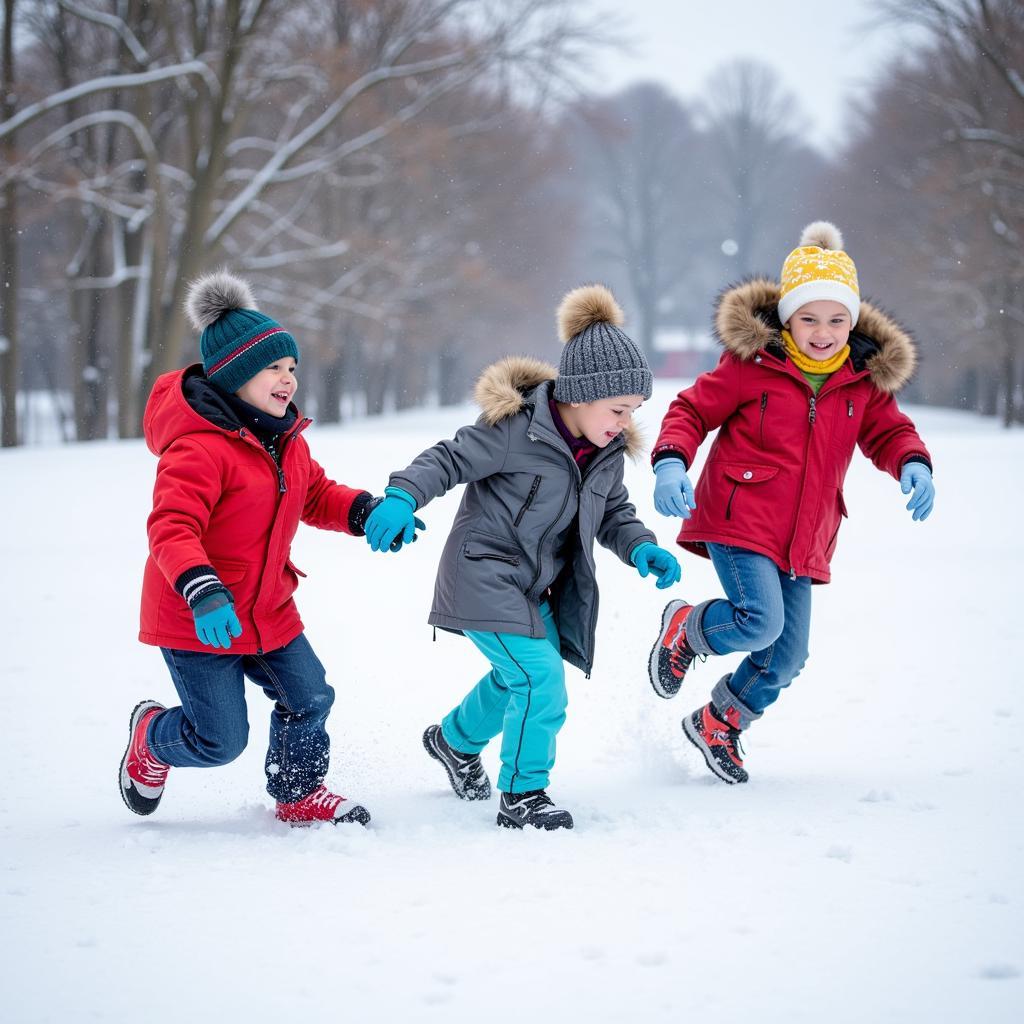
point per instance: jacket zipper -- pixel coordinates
(282, 486)
(578, 484)
(579, 489)
(529, 501)
(812, 415)
(551, 525)
(849, 407)
(764, 405)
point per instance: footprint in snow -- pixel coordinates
(652, 960)
(999, 972)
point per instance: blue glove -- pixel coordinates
(396, 545)
(917, 477)
(392, 522)
(216, 621)
(673, 493)
(649, 558)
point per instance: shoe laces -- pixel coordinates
(535, 799)
(731, 739)
(472, 768)
(151, 772)
(682, 654)
(323, 797)
(467, 765)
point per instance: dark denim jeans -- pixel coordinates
(766, 613)
(211, 727)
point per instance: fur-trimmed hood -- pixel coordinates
(502, 389)
(746, 321)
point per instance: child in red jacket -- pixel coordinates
(808, 373)
(235, 477)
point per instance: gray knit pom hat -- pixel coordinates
(599, 360)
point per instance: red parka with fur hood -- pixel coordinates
(219, 500)
(773, 481)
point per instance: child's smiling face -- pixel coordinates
(602, 421)
(272, 388)
(820, 328)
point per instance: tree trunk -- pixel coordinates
(8, 252)
(91, 385)
(126, 296)
(1009, 374)
(409, 377)
(90, 363)
(450, 383)
(989, 392)
(376, 387)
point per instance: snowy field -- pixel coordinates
(870, 872)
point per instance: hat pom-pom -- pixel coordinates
(211, 296)
(822, 233)
(583, 307)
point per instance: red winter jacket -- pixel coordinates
(218, 500)
(773, 481)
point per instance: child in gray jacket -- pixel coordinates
(544, 465)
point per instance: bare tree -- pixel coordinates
(639, 149)
(756, 159)
(220, 127)
(9, 247)
(968, 87)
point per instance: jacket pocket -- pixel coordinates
(843, 514)
(230, 572)
(740, 475)
(529, 500)
(480, 548)
(846, 422)
(490, 580)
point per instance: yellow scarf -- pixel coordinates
(806, 364)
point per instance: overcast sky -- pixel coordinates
(825, 51)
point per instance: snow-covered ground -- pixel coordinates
(870, 872)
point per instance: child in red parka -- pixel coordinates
(808, 373)
(235, 477)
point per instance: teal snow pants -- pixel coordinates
(523, 697)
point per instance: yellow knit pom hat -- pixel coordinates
(819, 269)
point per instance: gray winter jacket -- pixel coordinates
(525, 492)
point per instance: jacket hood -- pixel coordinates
(747, 321)
(170, 414)
(503, 388)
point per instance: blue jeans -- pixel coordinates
(211, 727)
(523, 697)
(766, 613)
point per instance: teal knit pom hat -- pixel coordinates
(238, 341)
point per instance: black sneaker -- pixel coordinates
(535, 808)
(718, 739)
(672, 654)
(465, 772)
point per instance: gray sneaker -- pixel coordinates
(465, 772)
(534, 808)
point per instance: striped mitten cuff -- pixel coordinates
(198, 583)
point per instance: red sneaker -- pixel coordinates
(672, 653)
(718, 739)
(143, 777)
(321, 805)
